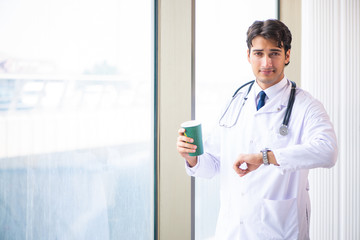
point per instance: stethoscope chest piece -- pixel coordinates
(284, 127)
(283, 130)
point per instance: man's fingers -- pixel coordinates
(181, 131)
(241, 175)
(240, 171)
(183, 137)
(186, 145)
(237, 168)
(185, 150)
(185, 140)
(183, 145)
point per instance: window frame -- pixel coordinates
(174, 104)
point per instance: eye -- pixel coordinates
(275, 54)
(258, 53)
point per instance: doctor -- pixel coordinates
(264, 172)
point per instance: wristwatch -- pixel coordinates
(265, 156)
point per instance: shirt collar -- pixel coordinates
(271, 91)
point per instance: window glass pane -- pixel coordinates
(76, 119)
(221, 67)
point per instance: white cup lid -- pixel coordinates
(191, 123)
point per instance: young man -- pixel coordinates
(266, 142)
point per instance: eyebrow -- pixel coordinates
(271, 50)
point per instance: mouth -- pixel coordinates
(267, 71)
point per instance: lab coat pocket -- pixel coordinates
(280, 219)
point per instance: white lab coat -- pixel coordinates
(271, 202)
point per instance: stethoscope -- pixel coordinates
(283, 128)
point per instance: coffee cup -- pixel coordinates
(193, 130)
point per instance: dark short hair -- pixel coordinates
(270, 29)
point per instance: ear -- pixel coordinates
(287, 57)
(248, 55)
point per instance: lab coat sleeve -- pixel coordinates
(208, 164)
(318, 144)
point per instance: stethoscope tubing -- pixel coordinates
(290, 104)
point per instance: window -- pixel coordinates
(221, 67)
(76, 120)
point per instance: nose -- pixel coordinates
(266, 61)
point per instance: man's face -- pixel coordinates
(267, 61)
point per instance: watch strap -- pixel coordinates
(265, 156)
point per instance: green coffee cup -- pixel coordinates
(193, 130)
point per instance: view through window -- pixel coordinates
(221, 67)
(76, 120)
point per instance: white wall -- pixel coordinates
(330, 71)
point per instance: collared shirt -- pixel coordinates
(270, 92)
(271, 202)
